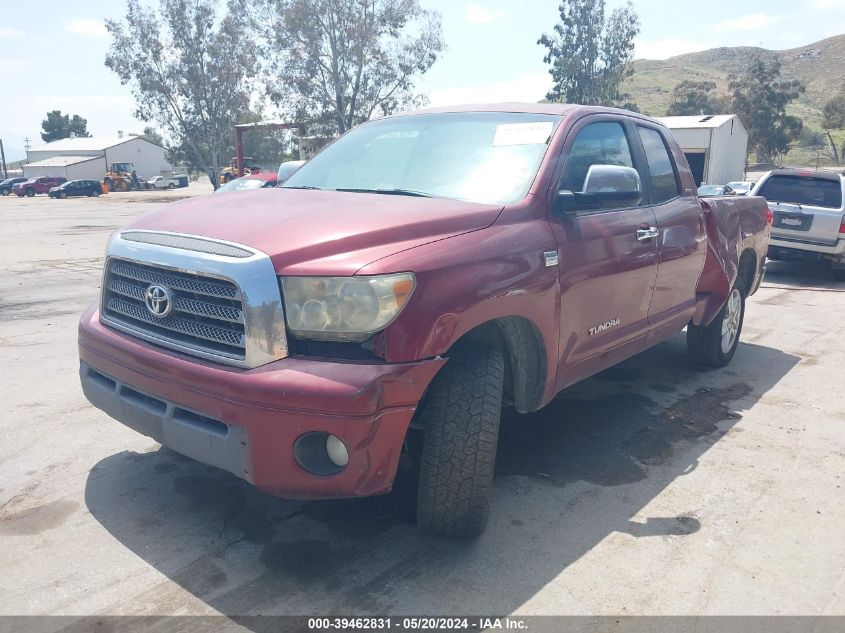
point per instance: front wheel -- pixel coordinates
(715, 344)
(460, 420)
(30, 193)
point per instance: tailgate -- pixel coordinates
(817, 224)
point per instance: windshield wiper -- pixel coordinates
(388, 192)
(284, 186)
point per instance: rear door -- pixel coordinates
(681, 244)
(606, 267)
(806, 207)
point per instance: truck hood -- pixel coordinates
(310, 232)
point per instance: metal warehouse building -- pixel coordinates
(715, 146)
(89, 157)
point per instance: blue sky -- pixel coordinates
(56, 61)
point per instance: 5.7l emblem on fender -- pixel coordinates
(158, 300)
(603, 326)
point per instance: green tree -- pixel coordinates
(760, 97)
(190, 71)
(57, 126)
(336, 63)
(696, 97)
(833, 118)
(590, 53)
(152, 135)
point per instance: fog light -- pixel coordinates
(337, 451)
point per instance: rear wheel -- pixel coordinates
(95, 193)
(838, 274)
(62, 195)
(715, 344)
(30, 193)
(170, 185)
(460, 420)
(5, 192)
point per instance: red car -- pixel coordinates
(415, 274)
(41, 184)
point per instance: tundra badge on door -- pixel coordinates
(603, 326)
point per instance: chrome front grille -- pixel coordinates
(224, 299)
(207, 313)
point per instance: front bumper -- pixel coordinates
(246, 421)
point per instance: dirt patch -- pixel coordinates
(37, 519)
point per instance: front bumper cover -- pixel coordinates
(246, 421)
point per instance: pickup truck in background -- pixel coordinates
(402, 285)
(160, 182)
(809, 215)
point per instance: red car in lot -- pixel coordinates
(41, 184)
(407, 281)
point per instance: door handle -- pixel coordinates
(647, 234)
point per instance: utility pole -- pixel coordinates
(26, 144)
(3, 160)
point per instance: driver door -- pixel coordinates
(607, 267)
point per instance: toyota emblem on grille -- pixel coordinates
(158, 300)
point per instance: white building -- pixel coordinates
(90, 157)
(715, 146)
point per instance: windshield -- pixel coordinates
(803, 190)
(242, 184)
(487, 157)
(710, 190)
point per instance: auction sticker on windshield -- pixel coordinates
(522, 133)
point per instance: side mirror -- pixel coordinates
(603, 184)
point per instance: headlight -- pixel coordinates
(343, 308)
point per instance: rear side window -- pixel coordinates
(664, 181)
(804, 190)
(596, 144)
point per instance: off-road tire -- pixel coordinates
(704, 343)
(460, 419)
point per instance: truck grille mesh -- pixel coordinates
(207, 313)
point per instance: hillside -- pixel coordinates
(818, 65)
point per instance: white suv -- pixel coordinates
(809, 215)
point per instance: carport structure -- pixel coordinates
(715, 145)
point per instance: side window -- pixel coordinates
(596, 144)
(664, 181)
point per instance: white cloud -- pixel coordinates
(8, 33)
(750, 22)
(94, 28)
(14, 65)
(669, 47)
(527, 87)
(825, 4)
(479, 14)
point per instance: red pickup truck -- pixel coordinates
(407, 282)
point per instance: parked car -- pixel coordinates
(41, 184)
(6, 185)
(160, 182)
(705, 191)
(408, 279)
(741, 187)
(288, 169)
(76, 188)
(809, 215)
(261, 180)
